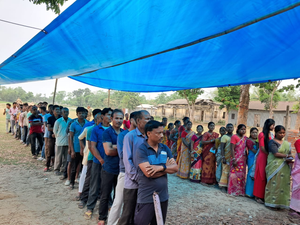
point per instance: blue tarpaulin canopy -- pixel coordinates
(152, 45)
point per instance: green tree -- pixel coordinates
(162, 98)
(228, 97)
(60, 96)
(53, 5)
(191, 96)
(269, 94)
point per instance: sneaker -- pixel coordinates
(67, 183)
(44, 160)
(77, 181)
(63, 177)
(21, 141)
(34, 157)
(40, 159)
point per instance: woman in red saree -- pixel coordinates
(208, 175)
(260, 179)
(179, 141)
(237, 175)
(196, 156)
(168, 133)
(174, 138)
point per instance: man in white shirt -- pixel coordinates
(61, 136)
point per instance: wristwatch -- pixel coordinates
(165, 167)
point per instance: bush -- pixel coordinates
(221, 122)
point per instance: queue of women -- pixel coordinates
(259, 166)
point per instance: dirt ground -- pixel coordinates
(30, 196)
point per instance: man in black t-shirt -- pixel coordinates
(51, 140)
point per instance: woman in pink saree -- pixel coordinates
(237, 176)
(295, 199)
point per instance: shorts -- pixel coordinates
(69, 158)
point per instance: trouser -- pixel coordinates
(82, 178)
(33, 137)
(7, 121)
(145, 213)
(24, 133)
(95, 185)
(130, 197)
(13, 126)
(18, 131)
(61, 153)
(74, 163)
(51, 151)
(43, 150)
(86, 186)
(109, 182)
(116, 208)
(28, 138)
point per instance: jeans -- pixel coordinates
(109, 182)
(74, 163)
(13, 126)
(145, 213)
(24, 133)
(7, 121)
(28, 139)
(130, 197)
(33, 137)
(51, 151)
(95, 184)
(43, 150)
(116, 208)
(86, 187)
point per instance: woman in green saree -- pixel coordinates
(277, 194)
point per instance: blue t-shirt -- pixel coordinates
(76, 129)
(97, 137)
(149, 185)
(45, 117)
(120, 149)
(111, 163)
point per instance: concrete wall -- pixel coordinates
(262, 116)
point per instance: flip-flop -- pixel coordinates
(77, 198)
(88, 215)
(81, 205)
(259, 201)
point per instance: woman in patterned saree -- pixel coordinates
(208, 175)
(179, 140)
(174, 138)
(277, 194)
(252, 146)
(184, 164)
(260, 179)
(237, 176)
(295, 199)
(196, 156)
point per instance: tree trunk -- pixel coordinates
(297, 126)
(271, 106)
(244, 105)
(192, 112)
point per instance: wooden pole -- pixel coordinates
(108, 97)
(287, 117)
(54, 94)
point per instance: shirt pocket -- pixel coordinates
(163, 157)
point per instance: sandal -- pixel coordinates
(71, 187)
(81, 205)
(47, 170)
(258, 200)
(77, 198)
(88, 215)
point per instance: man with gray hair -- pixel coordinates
(59, 130)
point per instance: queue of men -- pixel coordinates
(122, 168)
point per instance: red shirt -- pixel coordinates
(126, 123)
(35, 129)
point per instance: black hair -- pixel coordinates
(164, 118)
(176, 122)
(85, 110)
(15, 103)
(95, 112)
(56, 106)
(169, 125)
(266, 131)
(189, 122)
(210, 123)
(199, 126)
(240, 126)
(50, 106)
(25, 104)
(117, 111)
(152, 124)
(253, 129)
(8, 104)
(140, 114)
(106, 110)
(80, 109)
(43, 108)
(185, 119)
(223, 128)
(61, 107)
(229, 124)
(45, 103)
(133, 115)
(279, 128)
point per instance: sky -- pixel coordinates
(14, 37)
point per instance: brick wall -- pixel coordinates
(292, 136)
